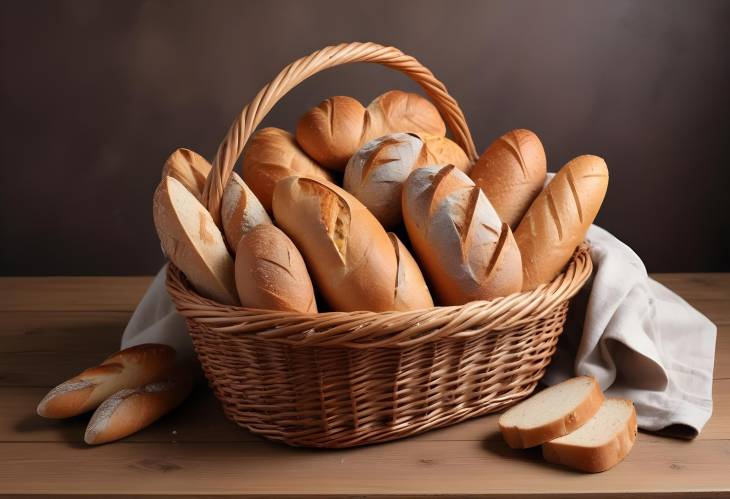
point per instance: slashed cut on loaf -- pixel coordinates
(551, 413)
(241, 211)
(189, 168)
(599, 444)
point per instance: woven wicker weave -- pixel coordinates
(341, 379)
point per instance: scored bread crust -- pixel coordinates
(189, 168)
(241, 211)
(598, 458)
(521, 437)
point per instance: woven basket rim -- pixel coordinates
(363, 329)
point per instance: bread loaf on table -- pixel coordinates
(271, 274)
(466, 251)
(511, 172)
(241, 211)
(189, 168)
(350, 256)
(558, 219)
(271, 155)
(131, 367)
(334, 130)
(376, 172)
(129, 410)
(193, 242)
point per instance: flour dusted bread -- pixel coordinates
(272, 154)
(189, 168)
(128, 368)
(376, 172)
(600, 443)
(511, 172)
(350, 256)
(331, 132)
(551, 413)
(271, 274)
(465, 249)
(241, 211)
(558, 219)
(193, 242)
(129, 410)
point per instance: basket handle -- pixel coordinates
(298, 71)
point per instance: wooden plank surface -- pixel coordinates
(52, 328)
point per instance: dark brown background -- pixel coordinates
(96, 94)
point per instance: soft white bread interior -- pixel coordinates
(465, 249)
(600, 443)
(241, 211)
(348, 253)
(273, 154)
(128, 368)
(129, 410)
(559, 217)
(189, 168)
(271, 274)
(551, 413)
(511, 172)
(191, 239)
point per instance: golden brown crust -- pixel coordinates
(241, 211)
(189, 168)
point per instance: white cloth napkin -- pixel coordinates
(637, 338)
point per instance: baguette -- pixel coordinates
(604, 441)
(271, 155)
(559, 217)
(193, 242)
(189, 168)
(131, 409)
(270, 272)
(465, 249)
(334, 130)
(511, 172)
(125, 369)
(552, 413)
(352, 259)
(241, 211)
(376, 172)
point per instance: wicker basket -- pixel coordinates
(340, 379)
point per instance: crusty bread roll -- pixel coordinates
(348, 253)
(193, 242)
(332, 132)
(599, 444)
(271, 274)
(131, 409)
(271, 155)
(131, 367)
(241, 211)
(551, 413)
(511, 172)
(557, 221)
(465, 249)
(376, 172)
(189, 168)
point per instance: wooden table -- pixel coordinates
(50, 328)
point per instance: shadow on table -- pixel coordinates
(495, 444)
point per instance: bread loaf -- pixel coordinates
(350, 256)
(241, 211)
(465, 249)
(193, 242)
(557, 221)
(599, 444)
(131, 367)
(271, 155)
(551, 413)
(376, 172)
(270, 272)
(511, 172)
(189, 168)
(332, 132)
(439, 150)
(131, 409)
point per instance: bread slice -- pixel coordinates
(552, 413)
(599, 444)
